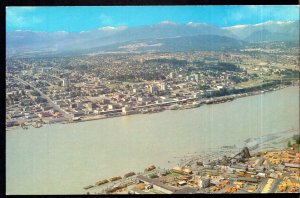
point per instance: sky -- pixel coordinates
(83, 18)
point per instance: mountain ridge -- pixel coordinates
(20, 41)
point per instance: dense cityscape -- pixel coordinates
(50, 90)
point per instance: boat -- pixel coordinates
(129, 174)
(178, 170)
(76, 119)
(37, 125)
(115, 178)
(190, 106)
(115, 188)
(209, 102)
(196, 104)
(229, 147)
(174, 107)
(101, 182)
(150, 168)
(219, 100)
(88, 187)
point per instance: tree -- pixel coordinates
(127, 86)
(289, 144)
(204, 87)
(236, 79)
(297, 139)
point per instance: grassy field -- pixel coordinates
(251, 83)
(255, 82)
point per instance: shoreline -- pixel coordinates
(200, 102)
(188, 160)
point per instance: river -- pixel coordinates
(62, 158)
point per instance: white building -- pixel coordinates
(172, 75)
(163, 86)
(126, 110)
(204, 182)
(66, 82)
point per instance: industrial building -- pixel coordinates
(157, 185)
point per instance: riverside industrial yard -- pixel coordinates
(266, 170)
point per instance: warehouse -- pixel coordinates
(157, 185)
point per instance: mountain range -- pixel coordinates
(164, 36)
(269, 31)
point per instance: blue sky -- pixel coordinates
(80, 18)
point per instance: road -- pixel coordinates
(55, 106)
(261, 185)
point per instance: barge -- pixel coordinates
(101, 182)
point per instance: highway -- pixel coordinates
(55, 106)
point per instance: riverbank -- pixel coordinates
(208, 162)
(187, 103)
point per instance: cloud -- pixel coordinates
(262, 13)
(19, 17)
(168, 22)
(195, 24)
(14, 20)
(105, 19)
(110, 28)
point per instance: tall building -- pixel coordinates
(163, 86)
(172, 75)
(153, 89)
(193, 77)
(197, 77)
(66, 82)
(190, 78)
(33, 70)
